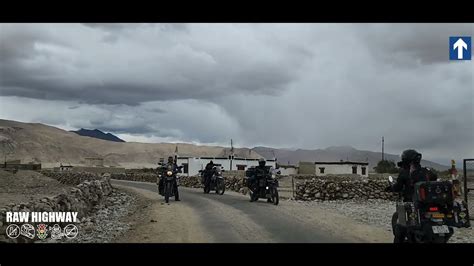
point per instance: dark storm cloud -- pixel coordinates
(284, 85)
(411, 44)
(131, 72)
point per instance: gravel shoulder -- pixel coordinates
(377, 214)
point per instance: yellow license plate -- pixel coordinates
(437, 215)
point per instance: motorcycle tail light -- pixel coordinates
(433, 209)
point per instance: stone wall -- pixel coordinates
(142, 177)
(82, 198)
(71, 178)
(342, 188)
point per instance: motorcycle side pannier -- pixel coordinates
(434, 192)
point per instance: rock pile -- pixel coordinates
(142, 177)
(81, 199)
(105, 223)
(190, 181)
(71, 178)
(234, 183)
(342, 188)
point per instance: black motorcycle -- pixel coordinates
(215, 182)
(263, 188)
(430, 217)
(170, 182)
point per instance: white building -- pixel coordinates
(288, 169)
(341, 168)
(192, 165)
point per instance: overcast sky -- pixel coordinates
(280, 85)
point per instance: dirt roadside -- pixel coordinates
(157, 222)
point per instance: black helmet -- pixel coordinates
(410, 156)
(170, 158)
(261, 162)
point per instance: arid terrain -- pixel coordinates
(50, 146)
(27, 185)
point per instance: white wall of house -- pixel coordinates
(288, 170)
(341, 169)
(196, 164)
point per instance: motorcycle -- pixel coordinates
(170, 182)
(430, 217)
(216, 181)
(265, 188)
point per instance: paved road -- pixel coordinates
(232, 218)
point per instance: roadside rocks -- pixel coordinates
(81, 199)
(71, 178)
(104, 224)
(234, 183)
(190, 181)
(141, 177)
(342, 188)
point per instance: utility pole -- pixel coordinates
(176, 154)
(231, 153)
(382, 149)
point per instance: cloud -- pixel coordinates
(282, 85)
(411, 44)
(154, 62)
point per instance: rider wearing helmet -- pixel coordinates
(208, 172)
(170, 164)
(261, 172)
(411, 172)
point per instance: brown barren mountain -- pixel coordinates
(34, 142)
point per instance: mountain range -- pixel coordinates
(50, 145)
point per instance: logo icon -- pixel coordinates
(70, 231)
(28, 230)
(56, 232)
(460, 48)
(42, 231)
(13, 231)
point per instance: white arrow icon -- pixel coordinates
(460, 45)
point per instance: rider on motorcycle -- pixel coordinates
(208, 172)
(411, 172)
(171, 164)
(261, 172)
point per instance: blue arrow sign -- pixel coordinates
(460, 48)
